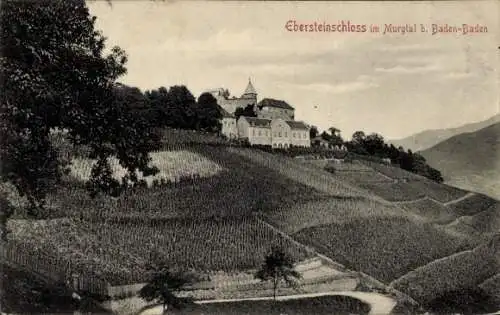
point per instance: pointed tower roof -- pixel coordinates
(250, 89)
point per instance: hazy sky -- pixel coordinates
(394, 84)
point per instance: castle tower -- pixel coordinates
(250, 95)
(250, 92)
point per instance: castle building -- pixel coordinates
(275, 124)
(270, 108)
(229, 126)
(277, 132)
(230, 104)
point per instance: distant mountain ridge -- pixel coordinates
(428, 138)
(470, 160)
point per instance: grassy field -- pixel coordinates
(119, 251)
(383, 247)
(173, 166)
(338, 305)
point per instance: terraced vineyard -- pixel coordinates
(383, 247)
(119, 251)
(294, 218)
(472, 205)
(240, 188)
(393, 191)
(300, 172)
(369, 177)
(431, 211)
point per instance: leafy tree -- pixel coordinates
(175, 108)
(56, 76)
(334, 131)
(157, 101)
(208, 113)
(374, 144)
(248, 111)
(277, 267)
(181, 105)
(313, 132)
(358, 137)
(326, 136)
(335, 138)
(164, 284)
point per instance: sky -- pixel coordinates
(394, 84)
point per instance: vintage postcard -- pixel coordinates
(261, 157)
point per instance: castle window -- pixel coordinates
(253, 132)
(286, 135)
(279, 134)
(260, 134)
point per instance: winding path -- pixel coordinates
(380, 304)
(467, 195)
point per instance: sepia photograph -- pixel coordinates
(219, 157)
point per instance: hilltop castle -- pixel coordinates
(274, 125)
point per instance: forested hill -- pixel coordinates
(470, 160)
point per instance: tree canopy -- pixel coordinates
(164, 283)
(56, 75)
(177, 108)
(248, 111)
(278, 266)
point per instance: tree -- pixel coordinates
(313, 132)
(208, 113)
(56, 76)
(278, 266)
(335, 137)
(358, 137)
(334, 131)
(374, 144)
(164, 284)
(248, 111)
(181, 106)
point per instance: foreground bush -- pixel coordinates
(338, 305)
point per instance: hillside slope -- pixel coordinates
(428, 138)
(462, 271)
(227, 218)
(470, 160)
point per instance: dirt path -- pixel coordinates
(380, 304)
(467, 195)
(410, 201)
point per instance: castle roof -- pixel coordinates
(250, 89)
(258, 122)
(297, 125)
(269, 102)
